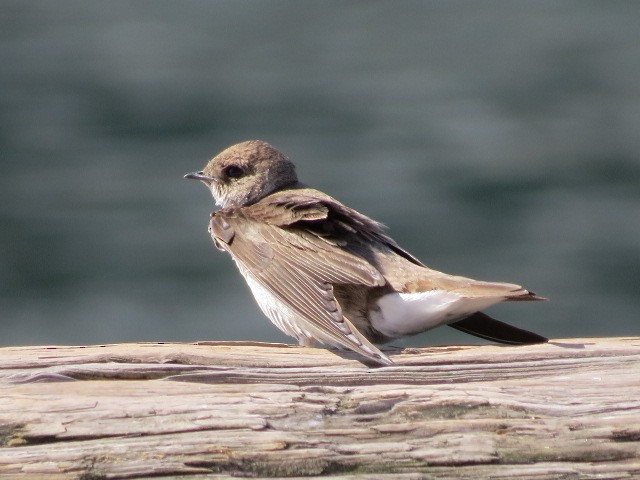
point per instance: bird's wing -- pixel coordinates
(299, 269)
(328, 219)
(325, 217)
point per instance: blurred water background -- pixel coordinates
(498, 140)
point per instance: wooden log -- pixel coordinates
(569, 409)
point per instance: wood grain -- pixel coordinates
(569, 409)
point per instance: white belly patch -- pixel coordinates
(402, 314)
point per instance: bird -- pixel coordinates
(323, 272)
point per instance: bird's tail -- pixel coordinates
(483, 326)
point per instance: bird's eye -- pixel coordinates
(234, 171)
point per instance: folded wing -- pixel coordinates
(299, 269)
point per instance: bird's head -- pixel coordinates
(245, 173)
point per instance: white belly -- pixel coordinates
(402, 314)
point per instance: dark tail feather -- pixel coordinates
(483, 326)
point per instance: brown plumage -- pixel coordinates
(324, 272)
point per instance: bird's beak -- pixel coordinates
(201, 176)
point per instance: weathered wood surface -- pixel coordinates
(569, 409)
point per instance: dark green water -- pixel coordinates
(499, 140)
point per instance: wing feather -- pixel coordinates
(300, 269)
